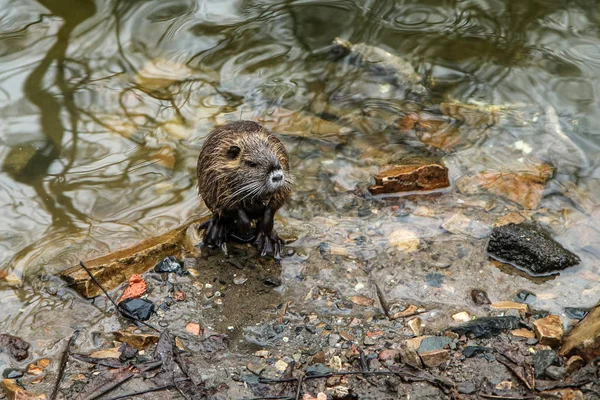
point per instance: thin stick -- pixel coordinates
(63, 363)
(300, 381)
(491, 396)
(157, 389)
(119, 309)
(382, 301)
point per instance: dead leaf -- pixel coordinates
(524, 187)
(108, 353)
(407, 312)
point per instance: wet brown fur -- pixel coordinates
(220, 178)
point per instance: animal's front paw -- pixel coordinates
(268, 243)
(215, 234)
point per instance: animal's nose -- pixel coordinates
(276, 176)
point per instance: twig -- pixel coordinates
(119, 309)
(382, 301)
(63, 363)
(299, 390)
(157, 389)
(272, 398)
(491, 396)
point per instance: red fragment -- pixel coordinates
(137, 287)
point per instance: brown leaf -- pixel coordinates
(523, 187)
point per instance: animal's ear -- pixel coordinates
(233, 152)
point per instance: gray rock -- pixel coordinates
(555, 373)
(466, 388)
(542, 360)
(434, 343)
(530, 248)
(487, 326)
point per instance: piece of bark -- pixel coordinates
(584, 339)
(115, 268)
(410, 176)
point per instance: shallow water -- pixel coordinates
(104, 106)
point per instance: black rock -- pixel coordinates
(479, 297)
(272, 281)
(525, 297)
(470, 351)
(576, 313)
(542, 359)
(487, 326)
(12, 373)
(169, 264)
(466, 388)
(127, 352)
(530, 248)
(555, 373)
(317, 369)
(139, 308)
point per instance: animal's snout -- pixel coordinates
(277, 176)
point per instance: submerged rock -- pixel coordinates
(169, 264)
(16, 347)
(531, 248)
(414, 175)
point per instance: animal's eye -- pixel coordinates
(251, 164)
(233, 152)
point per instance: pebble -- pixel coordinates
(262, 353)
(549, 331)
(416, 326)
(281, 365)
(526, 297)
(542, 359)
(466, 388)
(479, 297)
(461, 316)
(555, 373)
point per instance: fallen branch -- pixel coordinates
(157, 389)
(491, 396)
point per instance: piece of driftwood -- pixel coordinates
(115, 268)
(584, 339)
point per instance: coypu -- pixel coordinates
(243, 176)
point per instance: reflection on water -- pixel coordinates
(104, 106)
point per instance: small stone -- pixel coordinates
(169, 264)
(466, 388)
(256, 368)
(432, 343)
(526, 297)
(487, 326)
(318, 358)
(262, 353)
(272, 281)
(555, 373)
(346, 336)
(459, 223)
(179, 296)
(362, 301)
(462, 317)
(317, 370)
(510, 305)
(542, 359)
(193, 328)
(435, 358)
(505, 385)
(335, 363)
(416, 326)
(142, 309)
(479, 297)
(281, 366)
(389, 354)
(404, 240)
(15, 346)
(12, 373)
(574, 363)
(523, 332)
(576, 313)
(409, 355)
(240, 280)
(549, 330)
